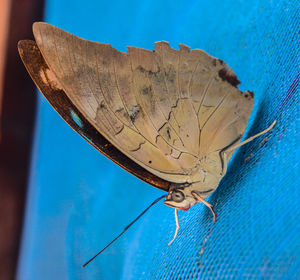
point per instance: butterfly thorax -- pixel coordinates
(181, 196)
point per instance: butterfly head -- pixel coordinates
(180, 197)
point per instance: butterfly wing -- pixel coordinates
(211, 112)
(109, 90)
(48, 84)
(164, 109)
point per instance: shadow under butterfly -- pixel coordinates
(172, 118)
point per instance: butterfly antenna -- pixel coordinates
(154, 202)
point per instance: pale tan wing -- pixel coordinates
(156, 81)
(110, 89)
(222, 109)
(225, 122)
(47, 82)
(165, 109)
(207, 96)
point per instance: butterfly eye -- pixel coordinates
(177, 196)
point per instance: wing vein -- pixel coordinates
(189, 91)
(205, 93)
(189, 84)
(164, 75)
(190, 101)
(74, 94)
(177, 76)
(103, 95)
(150, 120)
(92, 91)
(166, 120)
(217, 107)
(118, 89)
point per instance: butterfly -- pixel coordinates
(172, 118)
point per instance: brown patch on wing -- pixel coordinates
(227, 75)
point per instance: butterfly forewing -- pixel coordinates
(47, 82)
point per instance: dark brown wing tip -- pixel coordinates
(227, 75)
(24, 46)
(20, 47)
(21, 44)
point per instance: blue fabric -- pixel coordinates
(78, 200)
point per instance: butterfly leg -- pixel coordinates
(177, 227)
(234, 145)
(199, 198)
(224, 155)
(224, 161)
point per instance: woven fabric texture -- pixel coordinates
(78, 200)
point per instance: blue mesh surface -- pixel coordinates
(78, 200)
